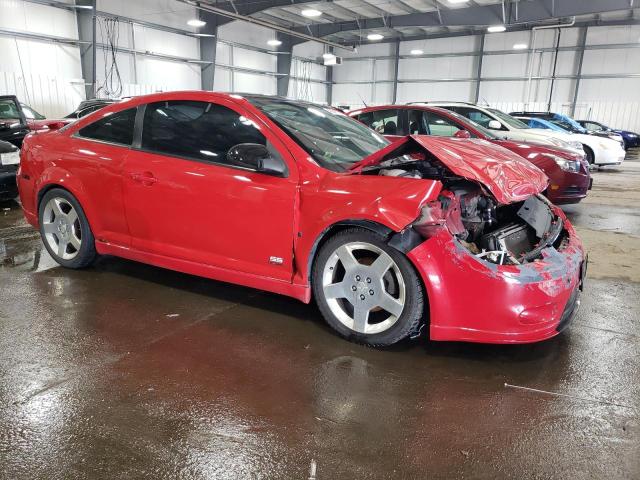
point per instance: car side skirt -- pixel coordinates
(299, 292)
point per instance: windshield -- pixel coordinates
(31, 114)
(565, 125)
(541, 123)
(333, 139)
(508, 119)
(464, 120)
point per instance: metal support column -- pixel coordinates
(396, 69)
(329, 85)
(555, 66)
(285, 54)
(582, 43)
(208, 44)
(86, 22)
(476, 97)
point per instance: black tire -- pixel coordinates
(411, 317)
(590, 156)
(87, 252)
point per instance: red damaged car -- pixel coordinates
(302, 200)
(568, 172)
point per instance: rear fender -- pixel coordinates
(56, 177)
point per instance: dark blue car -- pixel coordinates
(631, 139)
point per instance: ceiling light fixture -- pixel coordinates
(520, 46)
(417, 51)
(196, 23)
(374, 37)
(311, 13)
(458, 1)
(274, 43)
(496, 29)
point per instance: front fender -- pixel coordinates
(384, 204)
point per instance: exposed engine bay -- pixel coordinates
(510, 234)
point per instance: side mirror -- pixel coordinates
(462, 134)
(494, 125)
(256, 157)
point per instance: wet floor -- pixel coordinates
(129, 371)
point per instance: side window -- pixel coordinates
(197, 130)
(440, 126)
(114, 128)
(417, 123)
(366, 118)
(385, 122)
(592, 127)
(477, 116)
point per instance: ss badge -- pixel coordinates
(276, 260)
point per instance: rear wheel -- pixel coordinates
(65, 230)
(367, 291)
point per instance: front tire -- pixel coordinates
(591, 158)
(367, 291)
(65, 230)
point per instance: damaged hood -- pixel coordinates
(509, 177)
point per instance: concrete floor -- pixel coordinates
(129, 371)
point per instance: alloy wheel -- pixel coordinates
(363, 287)
(61, 227)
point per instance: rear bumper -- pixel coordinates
(473, 301)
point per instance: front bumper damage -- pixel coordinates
(476, 301)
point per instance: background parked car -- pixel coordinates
(89, 106)
(568, 171)
(508, 127)
(631, 139)
(37, 121)
(13, 123)
(600, 151)
(568, 124)
(9, 161)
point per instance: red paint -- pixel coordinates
(225, 224)
(565, 187)
(47, 124)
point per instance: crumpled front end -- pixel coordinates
(498, 273)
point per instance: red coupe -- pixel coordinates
(568, 172)
(302, 200)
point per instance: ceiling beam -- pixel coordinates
(528, 12)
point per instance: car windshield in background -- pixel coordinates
(464, 120)
(565, 125)
(334, 140)
(574, 126)
(8, 110)
(508, 119)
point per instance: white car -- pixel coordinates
(599, 150)
(511, 128)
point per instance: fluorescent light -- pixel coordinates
(203, 35)
(458, 1)
(196, 23)
(417, 51)
(274, 43)
(375, 37)
(496, 29)
(520, 46)
(311, 12)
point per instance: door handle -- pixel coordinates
(145, 178)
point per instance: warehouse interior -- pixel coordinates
(130, 368)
